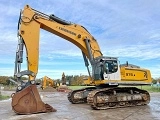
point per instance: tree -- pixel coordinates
(75, 80)
(4, 80)
(155, 80)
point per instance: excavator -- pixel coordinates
(106, 74)
(61, 87)
(46, 80)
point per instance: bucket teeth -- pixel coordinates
(49, 108)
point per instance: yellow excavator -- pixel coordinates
(46, 80)
(106, 74)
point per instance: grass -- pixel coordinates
(76, 87)
(150, 88)
(4, 97)
(147, 88)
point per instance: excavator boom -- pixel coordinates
(29, 25)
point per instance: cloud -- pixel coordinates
(154, 35)
(9, 9)
(125, 29)
(155, 71)
(6, 71)
(51, 63)
(142, 52)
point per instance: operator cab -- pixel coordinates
(106, 68)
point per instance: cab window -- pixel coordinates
(111, 66)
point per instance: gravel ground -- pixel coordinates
(68, 111)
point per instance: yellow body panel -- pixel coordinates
(129, 76)
(135, 74)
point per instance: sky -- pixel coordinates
(127, 29)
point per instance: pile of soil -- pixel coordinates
(63, 88)
(47, 89)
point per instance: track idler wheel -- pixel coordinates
(28, 101)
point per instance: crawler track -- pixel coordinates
(79, 96)
(106, 98)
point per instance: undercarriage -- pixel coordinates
(113, 97)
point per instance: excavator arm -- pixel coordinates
(32, 21)
(29, 25)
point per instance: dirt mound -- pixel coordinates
(48, 89)
(63, 88)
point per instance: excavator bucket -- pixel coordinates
(28, 101)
